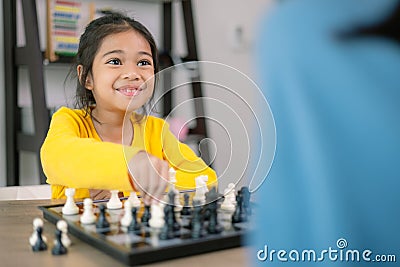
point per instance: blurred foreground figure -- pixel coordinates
(331, 74)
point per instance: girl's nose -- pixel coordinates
(130, 75)
(130, 72)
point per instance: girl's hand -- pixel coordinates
(149, 175)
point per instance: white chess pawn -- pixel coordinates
(156, 223)
(172, 180)
(172, 175)
(127, 218)
(177, 201)
(63, 227)
(157, 216)
(227, 204)
(37, 222)
(88, 216)
(114, 202)
(134, 200)
(201, 189)
(230, 193)
(70, 208)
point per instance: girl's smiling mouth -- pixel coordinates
(131, 91)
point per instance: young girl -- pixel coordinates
(104, 144)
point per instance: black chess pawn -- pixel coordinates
(242, 206)
(146, 216)
(186, 211)
(213, 225)
(102, 224)
(171, 201)
(167, 231)
(246, 200)
(196, 222)
(237, 214)
(59, 248)
(39, 245)
(211, 196)
(205, 213)
(134, 226)
(171, 197)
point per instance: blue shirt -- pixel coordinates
(335, 180)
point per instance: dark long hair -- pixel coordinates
(90, 42)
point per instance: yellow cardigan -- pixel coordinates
(74, 156)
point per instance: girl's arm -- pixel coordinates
(71, 156)
(187, 164)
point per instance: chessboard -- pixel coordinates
(144, 245)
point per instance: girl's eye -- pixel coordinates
(114, 61)
(144, 63)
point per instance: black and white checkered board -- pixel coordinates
(146, 247)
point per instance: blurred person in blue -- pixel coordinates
(330, 70)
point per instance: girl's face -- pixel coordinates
(122, 73)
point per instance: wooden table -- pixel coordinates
(16, 227)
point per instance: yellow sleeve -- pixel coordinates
(186, 163)
(72, 157)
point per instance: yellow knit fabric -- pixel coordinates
(74, 156)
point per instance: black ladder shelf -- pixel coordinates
(30, 55)
(199, 132)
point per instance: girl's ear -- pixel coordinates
(88, 83)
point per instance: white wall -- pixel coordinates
(216, 23)
(226, 34)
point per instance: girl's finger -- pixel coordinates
(163, 181)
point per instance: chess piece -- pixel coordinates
(102, 224)
(114, 203)
(135, 201)
(88, 216)
(70, 208)
(171, 196)
(63, 227)
(201, 189)
(40, 244)
(246, 200)
(213, 227)
(146, 216)
(228, 205)
(172, 180)
(229, 192)
(171, 224)
(157, 216)
(196, 222)
(127, 218)
(172, 175)
(59, 248)
(186, 209)
(167, 231)
(177, 201)
(156, 223)
(134, 226)
(239, 213)
(37, 222)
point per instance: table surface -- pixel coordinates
(16, 219)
